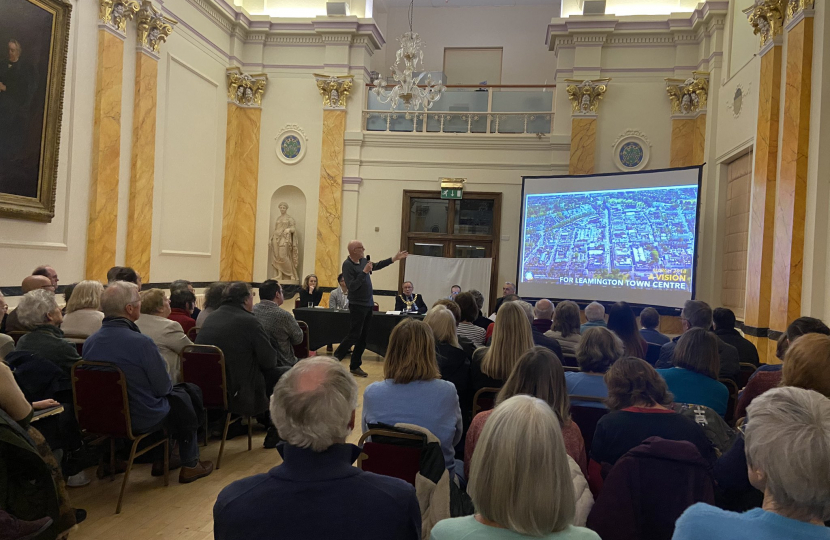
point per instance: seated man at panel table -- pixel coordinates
(339, 297)
(182, 303)
(154, 401)
(30, 283)
(281, 327)
(409, 301)
(454, 290)
(316, 493)
(509, 289)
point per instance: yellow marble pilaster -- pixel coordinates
(106, 154)
(688, 98)
(327, 261)
(699, 142)
(241, 179)
(583, 145)
(142, 170)
(682, 142)
(791, 192)
(761, 218)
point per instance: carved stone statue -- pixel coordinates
(284, 246)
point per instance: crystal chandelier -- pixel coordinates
(414, 97)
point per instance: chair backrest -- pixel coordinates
(747, 370)
(204, 366)
(375, 307)
(17, 334)
(569, 360)
(192, 333)
(102, 407)
(571, 368)
(297, 302)
(303, 348)
(398, 455)
(732, 386)
(653, 353)
(586, 418)
(484, 399)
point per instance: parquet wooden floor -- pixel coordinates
(182, 511)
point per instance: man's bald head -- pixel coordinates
(31, 283)
(543, 309)
(356, 250)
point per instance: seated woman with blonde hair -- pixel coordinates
(412, 391)
(520, 481)
(539, 373)
(83, 310)
(166, 334)
(310, 292)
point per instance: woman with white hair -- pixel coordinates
(83, 310)
(39, 312)
(520, 481)
(788, 458)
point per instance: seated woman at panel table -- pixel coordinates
(409, 301)
(310, 293)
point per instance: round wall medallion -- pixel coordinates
(291, 144)
(631, 151)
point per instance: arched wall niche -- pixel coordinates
(296, 201)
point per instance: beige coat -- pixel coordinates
(582, 494)
(169, 338)
(81, 323)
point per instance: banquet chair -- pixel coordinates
(395, 454)
(484, 399)
(747, 370)
(586, 418)
(303, 348)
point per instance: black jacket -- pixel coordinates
(454, 365)
(746, 350)
(248, 356)
(401, 300)
(360, 283)
(314, 298)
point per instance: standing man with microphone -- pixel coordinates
(357, 270)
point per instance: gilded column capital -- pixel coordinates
(586, 95)
(767, 18)
(334, 89)
(153, 28)
(688, 97)
(114, 14)
(797, 7)
(246, 90)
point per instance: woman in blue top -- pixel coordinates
(787, 449)
(597, 350)
(413, 392)
(694, 377)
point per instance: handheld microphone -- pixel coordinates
(368, 260)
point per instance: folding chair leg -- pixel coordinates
(112, 460)
(250, 432)
(166, 460)
(206, 428)
(126, 475)
(222, 444)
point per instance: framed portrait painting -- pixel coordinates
(34, 38)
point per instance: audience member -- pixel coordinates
(310, 293)
(185, 285)
(565, 328)
(543, 315)
(650, 320)
(154, 401)
(165, 333)
(250, 361)
(469, 312)
(596, 352)
(83, 310)
(182, 303)
(412, 391)
(508, 289)
(280, 326)
(538, 373)
(339, 297)
(481, 318)
(111, 273)
(316, 493)
(6, 345)
(49, 272)
(640, 402)
(39, 312)
(453, 362)
(539, 338)
(466, 345)
(454, 290)
(787, 449)
(213, 299)
(698, 314)
(512, 337)
(594, 316)
(621, 321)
(409, 301)
(4, 312)
(694, 377)
(30, 283)
(522, 482)
(802, 326)
(125, 273)
(724, 321)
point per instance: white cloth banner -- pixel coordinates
(433, 277)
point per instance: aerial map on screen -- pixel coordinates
(640, 238)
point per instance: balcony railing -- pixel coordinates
(470, 109)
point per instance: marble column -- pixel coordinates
(762, 206)
(585, 97)
(245, 94)
(106, 138)
(153, 29)
(688, 134)
(791, 192)
(327, 263)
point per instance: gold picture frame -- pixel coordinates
(34, 42)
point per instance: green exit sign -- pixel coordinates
(451, 193)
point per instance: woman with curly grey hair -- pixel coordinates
(39, 312)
